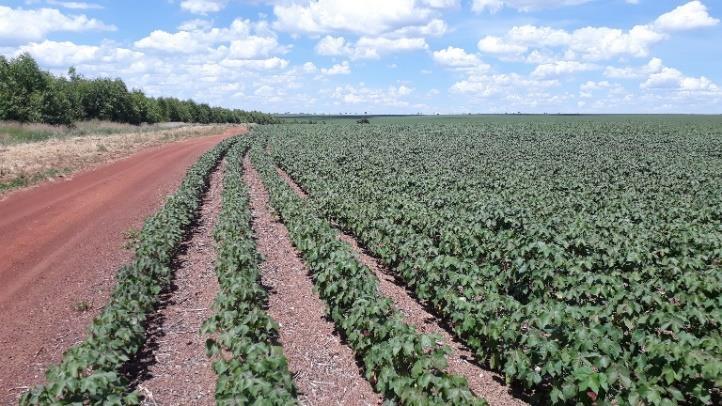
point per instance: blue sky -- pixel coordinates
(389, 56)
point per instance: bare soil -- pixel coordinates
(325, 371)
(60, 247)
(178, 371)
(484, 383)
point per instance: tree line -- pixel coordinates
(29, 94)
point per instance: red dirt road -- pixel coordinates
(60, 246)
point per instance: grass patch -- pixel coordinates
(28, 180)
(17, 133)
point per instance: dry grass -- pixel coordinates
(23, 164)
(17, 133)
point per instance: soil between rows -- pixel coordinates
(325, 371)
(484, 383)
(174, 368)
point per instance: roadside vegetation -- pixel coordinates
(66, 150)
(14, 132)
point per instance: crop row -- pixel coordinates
(576, 267)
(402, 364)
(250, 364)
(90, 373)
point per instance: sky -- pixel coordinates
(388, 56)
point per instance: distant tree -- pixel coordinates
(28, 94)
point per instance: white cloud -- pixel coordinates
(203, 6)
(339, 69)
(673, 79)
(309, 67)
(393, 96)
(241, 40)
(252, 47)
(686, 17)
(495, 45)
(76, 5)
(332, 46)
(374, 47)
(598, 43)
(441, 3)
(456, 58)
(561, 68)
(65, 54)
(494, 6)
(654, 65)
(370, 17)
(590, 85)
(196, 25)
(659, 77)
(255, 64)
(486, 85)
(20, 25)
(367, 47)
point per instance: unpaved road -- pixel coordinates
(60, 246)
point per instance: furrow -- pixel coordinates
(325, 370)
(177, 370)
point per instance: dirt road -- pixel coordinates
(60, 246)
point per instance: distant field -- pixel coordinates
(679, 119)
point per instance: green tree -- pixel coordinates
(22, 89)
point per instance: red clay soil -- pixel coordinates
(325, 371)
(484, 383)
(60, 246)
(181, 373)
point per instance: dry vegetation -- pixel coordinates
(65, 150)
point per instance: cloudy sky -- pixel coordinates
(389, 56)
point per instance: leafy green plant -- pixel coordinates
(402, 364)
(579, 257)
(250, 364)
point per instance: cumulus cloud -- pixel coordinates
(392, 96)
(75, 5)
(203, 6)
(486, 85)
(339, 69)
(686, 17)
(371, 17)
(457, 58)
(657, 76)
(367, 47)
(241, 40)
(673, 79)
(64, 54)
(494, 6)
(561, 68)
(599, 43)
(20, 25)
(654, 65)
